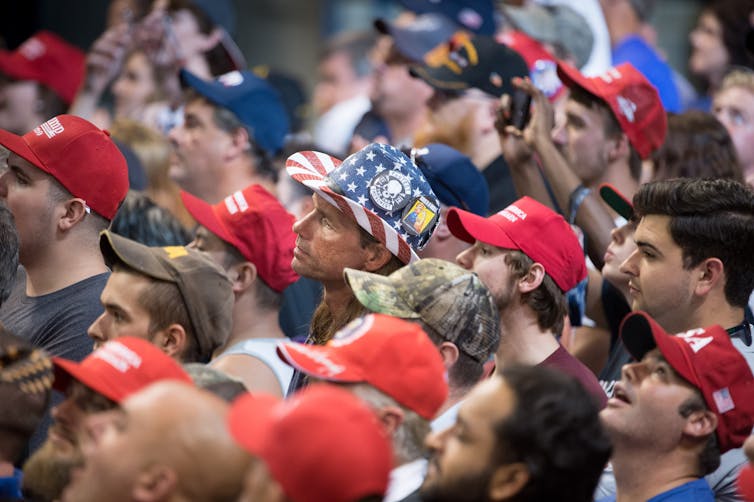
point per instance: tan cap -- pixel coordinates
(204, 286)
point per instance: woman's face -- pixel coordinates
(134, 87)
(709, 57)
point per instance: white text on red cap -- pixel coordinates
(236, 202)
(51, 128)
(513, 213)
(695, 343)
(118, 356)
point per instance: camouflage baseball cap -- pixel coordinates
(447, 298)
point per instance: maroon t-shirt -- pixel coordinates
(562, 360)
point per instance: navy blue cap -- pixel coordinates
(453, 177)
(477, 16)
(252, 99)
(419, 37)
(472, 61)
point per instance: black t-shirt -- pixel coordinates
(616, 308)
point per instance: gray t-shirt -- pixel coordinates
(56, 322)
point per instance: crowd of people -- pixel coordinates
(510, 257)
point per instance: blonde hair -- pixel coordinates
(739, 78)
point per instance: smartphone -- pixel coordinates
(520, 109)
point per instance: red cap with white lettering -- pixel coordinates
(632, 98)
(707, 359)
(78, 154)
(532, 228)
(392, 355)
(254, 222)
(120, 368)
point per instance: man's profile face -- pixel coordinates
(582, 141)
(213, 246)
(488, 262)
(645, 407)
(124, 446)
(199, 150)
(48, 470)
(124, 314)
(327, 241)
(659, 284)
(462, 457)
(26, 189)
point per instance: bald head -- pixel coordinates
(169, 442)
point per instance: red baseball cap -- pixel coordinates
(707, 359)
(532, 228)
(394, 356)
(78, 154)
(48, 59)
(633, 100)
(322, 445)
(254, 222)
(120, 368)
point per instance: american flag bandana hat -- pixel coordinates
(380, 188)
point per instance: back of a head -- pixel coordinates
(708, 218)
(555, 430)
(141, 220)
(195, 442)
(697, 145)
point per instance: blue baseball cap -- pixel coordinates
(453, 177)
(419, 37)
(477, 16)
(252, 99)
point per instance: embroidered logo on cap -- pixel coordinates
(231, 79)
(118, 356)
(695, 343)
(470, 18)
(723, 401)
(419, 217)
(513, 213)
(329, 366)
(627, 108)
(390, 190)
(236, 202)
(51, 128)
(352, 331)
(174, 252)
(32, 48)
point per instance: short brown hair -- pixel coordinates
(548, 301)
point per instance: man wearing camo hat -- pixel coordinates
(452, 306)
